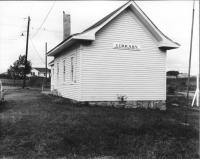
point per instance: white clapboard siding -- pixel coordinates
(107, 72)
(52, 78)
(67, 88)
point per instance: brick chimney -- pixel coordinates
(66, 26)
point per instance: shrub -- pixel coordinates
(171, 89)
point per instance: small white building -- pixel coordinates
(123, 54)
(183, 75)
(39, 72)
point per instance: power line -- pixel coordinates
(48, 30)
(37, 52)
(12, 25)
(9, 39)
(44, 20)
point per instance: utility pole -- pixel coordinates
(27, 37)
(189, 67)
(197, 92)
(199, 57)
(46, 63)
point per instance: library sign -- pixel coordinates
(126, 46)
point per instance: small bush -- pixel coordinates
(171, 89)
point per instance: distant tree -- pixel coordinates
(17, 69)
(173, 73)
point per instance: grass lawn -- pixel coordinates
(33, 125)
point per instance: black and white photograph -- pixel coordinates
(100, 79)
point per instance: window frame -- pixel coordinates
(73, 69)
(64, 70)
(57, 70)
(52, 73)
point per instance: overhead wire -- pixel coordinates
(9, 39)
(11, 25)
(44, 20)
(47, 30)
(36, 51)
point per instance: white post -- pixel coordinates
(196, 95)
(197, 101)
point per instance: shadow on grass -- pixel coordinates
(74, 131)
(4, 106)
(118, 138)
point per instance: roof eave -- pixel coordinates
(59, 48)
(164, 42)
(86, 36)
(51, 64)
(69, 42)
(169, 45)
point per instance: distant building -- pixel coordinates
(40, 72)
(183, 75)
(171, 76)
(4, 73)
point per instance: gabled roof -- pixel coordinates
(89, 33)
(104, 19)
(40, 69)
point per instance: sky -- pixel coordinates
(173, 18)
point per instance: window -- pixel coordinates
(52, 73)
(57, 70)
(64, 71)
(72, 70)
